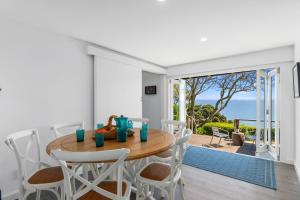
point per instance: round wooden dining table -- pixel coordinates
(158, 142)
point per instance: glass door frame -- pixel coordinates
(268, 104)
(274, 150)
(260, 147)
(182, 98)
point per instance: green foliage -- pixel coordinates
(205, 111)
(206, 128)
(176, 112)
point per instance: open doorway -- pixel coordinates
(248, 98)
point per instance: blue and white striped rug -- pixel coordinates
(246, 168)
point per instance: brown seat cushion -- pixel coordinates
(156, 171)
(110, 186)
(165, 154)
(47, 175)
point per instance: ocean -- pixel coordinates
(237, 109)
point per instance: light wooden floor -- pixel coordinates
(203, 185)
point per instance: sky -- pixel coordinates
(214, 94)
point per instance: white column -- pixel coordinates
(182, 100)
(269, 110)
(258, 93)
(170, 98)
(277, 112)
(266, 107)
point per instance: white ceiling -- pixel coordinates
(166, 33)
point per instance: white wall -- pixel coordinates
(231, 63)
(45, 78)
(118, 83)
(297, 117)
(280, 57)
(287, 131)
(118, 90)
(153, 104)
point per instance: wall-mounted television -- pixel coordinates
(296, 78)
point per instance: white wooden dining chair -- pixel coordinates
(132, 167)
(32, 180)
(164, 176)
(67, 128)
(171, 127)
(137, 122)
(100, 188)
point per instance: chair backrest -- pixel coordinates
(59, 128)
(118, 155)
(137, 122)
(215, 130)
(21, 143)
(172, 126)
(179, 150)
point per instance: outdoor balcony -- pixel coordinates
(248, 148)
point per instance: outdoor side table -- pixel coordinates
(238, 138)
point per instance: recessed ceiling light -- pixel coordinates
(160, 0)
(203, 39)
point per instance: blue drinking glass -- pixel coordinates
(144, 133)
(99, 139)
(100, 125)
(122, 134)
(80, 135)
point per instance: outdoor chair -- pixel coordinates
(252, 136)
(217, 132)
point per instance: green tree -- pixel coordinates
(227, 85)
(204, 111)
(195, 87)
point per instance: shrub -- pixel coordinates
(206, 129)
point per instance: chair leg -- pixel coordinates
(38, 194)
(212, 137)
(220, 140)
(62, 192)
(172, 192)
(182, 180)
(181, 187)
(24, 197)
(139, 191)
